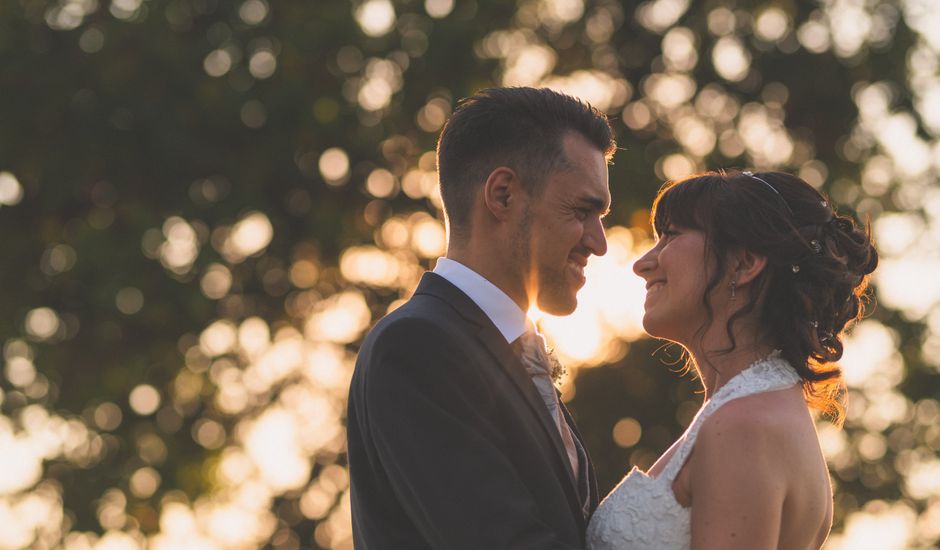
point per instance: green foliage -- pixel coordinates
(124, 143)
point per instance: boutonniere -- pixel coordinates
(557, 369)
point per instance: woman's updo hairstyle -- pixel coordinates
(818, 264)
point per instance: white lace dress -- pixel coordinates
(642, 512)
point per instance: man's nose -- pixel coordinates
(595, 238)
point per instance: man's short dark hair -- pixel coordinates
(521, 128)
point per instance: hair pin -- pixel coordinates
(795, 268)
(814, 244)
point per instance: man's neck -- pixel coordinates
(489, 266)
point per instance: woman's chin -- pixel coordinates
(650, 325)
(656, 328)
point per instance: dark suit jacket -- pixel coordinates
(450, 444)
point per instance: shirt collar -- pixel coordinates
(508, 317)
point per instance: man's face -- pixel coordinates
(562, 228)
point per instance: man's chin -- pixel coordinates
(558, 306)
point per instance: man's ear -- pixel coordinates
(747, 266)
(501, 191)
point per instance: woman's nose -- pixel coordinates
(645, 263)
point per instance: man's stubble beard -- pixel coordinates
(548, 287)
(522, 250)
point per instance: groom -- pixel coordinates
(457, 439)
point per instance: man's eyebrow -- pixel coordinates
(595, 203)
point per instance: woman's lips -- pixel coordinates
(653, 286)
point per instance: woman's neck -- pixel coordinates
(716, 368)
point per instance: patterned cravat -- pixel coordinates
(539, 366)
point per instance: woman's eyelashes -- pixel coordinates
(668, 233)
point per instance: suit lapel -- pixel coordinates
(588, 467)
(493, 341)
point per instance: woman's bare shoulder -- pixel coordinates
(767, 422)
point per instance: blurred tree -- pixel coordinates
(204, 205)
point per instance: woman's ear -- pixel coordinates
(747, 266)
(500, 191)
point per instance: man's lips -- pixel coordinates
(580, 261)
(576, 267)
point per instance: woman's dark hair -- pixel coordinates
(818, 265)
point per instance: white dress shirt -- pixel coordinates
(505, 314)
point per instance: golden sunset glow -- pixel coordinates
(232, 433)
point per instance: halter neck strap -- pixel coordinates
(770, 374)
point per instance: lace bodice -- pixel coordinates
(642, 512)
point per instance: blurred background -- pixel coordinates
(204, 204)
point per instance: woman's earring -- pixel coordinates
(734, 285)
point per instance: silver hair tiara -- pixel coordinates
(817, 248)
(750, 174)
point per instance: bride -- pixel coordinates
(756, 277)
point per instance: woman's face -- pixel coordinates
(676, 273)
